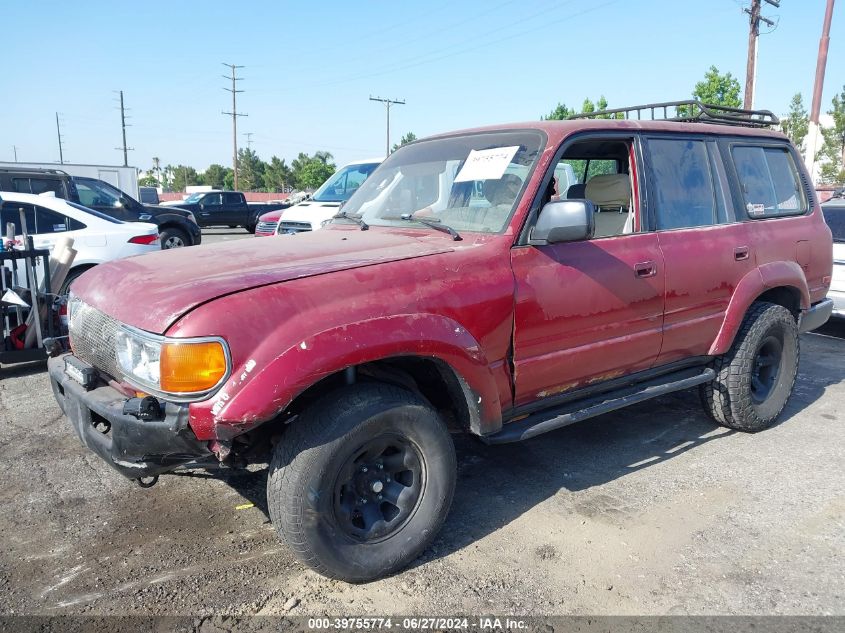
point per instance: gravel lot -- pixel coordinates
(649, 510)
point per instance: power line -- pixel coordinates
(248, 136)
(388, 103)
(234, 114)
(753, 32)
(123, 126)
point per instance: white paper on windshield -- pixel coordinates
(486, 164)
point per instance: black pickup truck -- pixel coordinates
(226, 208)
(176, 227)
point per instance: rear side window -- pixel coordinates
(769, 182)
(38, 219)
(37, 185)
(231, 198)
(835, 218)
(682, 180)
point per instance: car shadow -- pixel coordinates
(498, 484)
(19, 370)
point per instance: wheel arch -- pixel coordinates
(782, 283)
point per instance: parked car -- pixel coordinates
(148, 195)
(226, 208)
(177, 227)
(694, 256)
(97, 237)
(834, 214)
(318, 210)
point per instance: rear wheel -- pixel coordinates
(362, 482)
(755, 378)
(172, 237)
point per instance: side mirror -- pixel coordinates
(563, 221)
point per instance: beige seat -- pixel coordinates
(611, 193)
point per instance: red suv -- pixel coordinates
(458, 290)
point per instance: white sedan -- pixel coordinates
(97, 238)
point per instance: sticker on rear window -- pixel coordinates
(486, 164)
(755, 210)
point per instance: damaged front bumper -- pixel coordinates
(135, 448)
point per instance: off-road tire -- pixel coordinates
(305, 490)
(250, 228)
(730, 399)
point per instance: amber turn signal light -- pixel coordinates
(191, 367)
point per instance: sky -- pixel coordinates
(310, 69)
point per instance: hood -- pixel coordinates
(157, 209)
(151, 291)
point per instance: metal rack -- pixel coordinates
(689, 111)
(40, 301)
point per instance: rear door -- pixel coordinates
(235, 208)
(706, 251)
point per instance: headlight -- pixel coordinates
(186, 368)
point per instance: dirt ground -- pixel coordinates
(649, 510)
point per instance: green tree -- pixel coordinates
(148, 181)
(277, 175)
(184, 176)
(718, 89)
(309, 172)
(833, 150)
(560, 113)
(250, 170)
(797, 122)
(215, 176)
(410, 137)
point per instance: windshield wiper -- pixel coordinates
(430, 222)
(357, 219)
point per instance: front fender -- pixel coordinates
(755, 283)
(262, 389)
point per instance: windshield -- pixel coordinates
(344, 183)
(469, 183)
(194, 197)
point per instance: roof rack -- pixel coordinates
(689, 111)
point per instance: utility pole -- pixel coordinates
(387, 103)
(59, 134)
(821, 64)
(15, 150)
(753, 33)
(123, 127)
(248, 136)
(234, 114)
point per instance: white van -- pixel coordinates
(314, 213)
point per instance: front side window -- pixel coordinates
(469, 183)
(213, 200)
(683, 183)
(769, 182)
(93, 195)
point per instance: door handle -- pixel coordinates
(741, 253)
(645, 269)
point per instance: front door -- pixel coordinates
(590, 311)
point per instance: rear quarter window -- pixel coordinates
(768, 181)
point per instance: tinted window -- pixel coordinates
(38, 219)
(94, 212)
(38, 185)
(231, 198)
(212, 200)
(835, 218)
(91, 195)
(683, 183)
(769, 182)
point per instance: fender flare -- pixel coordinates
(751, 286)
(250, 398)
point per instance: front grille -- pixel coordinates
(92, 335)
(294, 227)
(266, 227)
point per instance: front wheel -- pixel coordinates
(755, 378)
(362, 482)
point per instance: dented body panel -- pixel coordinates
(517, 325)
